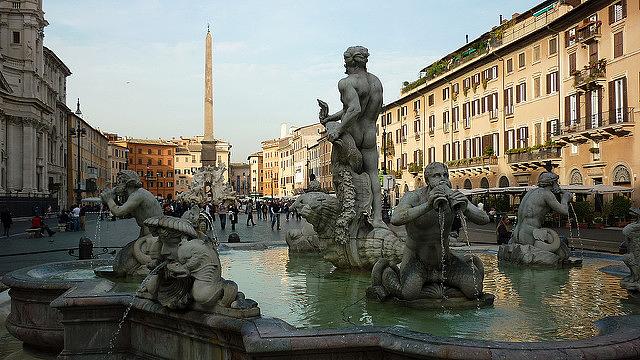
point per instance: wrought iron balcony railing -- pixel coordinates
(599, 120)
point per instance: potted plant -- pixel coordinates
(620, 206)
(415, 169)
(488, 151)
(584, 213)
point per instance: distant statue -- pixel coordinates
(354, 136)
(631, 243)
(141, 205)
(187, 274)
(531, 243)
(430, 273)
(208, 185)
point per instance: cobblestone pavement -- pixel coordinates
(113, 234)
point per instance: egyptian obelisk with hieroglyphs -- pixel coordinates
(208, 155)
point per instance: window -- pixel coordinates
(510, 139)
(148, 161)
(139, 151)
(388, 118)
(521, 60)
(509, 66)
(521, 93)
(536, 53)
(159, 151)
(431, 100)
(403, 111)
(159, 174)
(617, 11)
(552, 82)
(445, 93)
(416, 126)
(15, 5)
(570, 37)
(536, 87)
(159, 161)
(16, 37)
(446, 121)
(508, 101)
(139, 161)
(574, 148)
(177, 171)
(553, 46)
(618, 100)
(617, 44)
(572, 63)
(455, 118)
(148, 151)
(572, 111)
(553, 128)
(446, 152)
(432, 124)
(416, 107)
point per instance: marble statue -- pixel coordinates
(207, 186)
(187, 272)
(352, 130)
(532, 244)
(430, 274)
(631, 234)
(140, 204)
(350, 224)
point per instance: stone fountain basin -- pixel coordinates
(32, 319)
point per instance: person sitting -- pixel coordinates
(64, 219)
(36, 223)
(504, 235)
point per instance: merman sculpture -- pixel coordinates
(430, 275)
(631, 243)
(531, 243)
(140, 204)
(188, 274)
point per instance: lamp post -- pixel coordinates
(78, 132)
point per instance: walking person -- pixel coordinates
(5, 218)
(249, 211)
(275, 214)
(75, 218)
(233, 216)
(222, 215)
(265, 209)
(83, 217)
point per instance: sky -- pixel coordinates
(138, 65)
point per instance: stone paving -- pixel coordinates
(116, 234)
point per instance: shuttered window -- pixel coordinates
(617, 11)
(572, 63)
(617, 44)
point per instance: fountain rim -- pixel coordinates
(21, 278)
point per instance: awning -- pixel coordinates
(597, 189)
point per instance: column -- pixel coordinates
(14, 156)
(28, 157)
(45, 162)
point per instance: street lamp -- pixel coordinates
(78, 132)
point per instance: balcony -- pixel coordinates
(589, 31)
(528, 159)
(417, 136)
(591, 77)
(493, 114)
(475, 165)
(432, 131)
(597, 127)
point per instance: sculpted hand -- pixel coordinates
(458, 201)
(106, 195)
(567, 195)
(434, 194)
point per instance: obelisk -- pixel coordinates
(208, 154)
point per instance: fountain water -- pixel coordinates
(575, 216)
(463, 223)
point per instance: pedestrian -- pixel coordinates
(222, 215)
(37, 223)
(75, 218)
(503, 233)
(83, 216)
(5, 217)
(265, 209)
(275, 214)
(285, 209)
(233, 216)
(249, 211)
(258, 208)
(64, 219)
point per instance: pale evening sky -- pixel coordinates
(138, 65)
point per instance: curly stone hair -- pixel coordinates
(129, 178)
(356, 56)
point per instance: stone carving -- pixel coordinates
(351, 222)
(304, 240)
(128, 198)
(531, 244)
(631, 242)
(187, 272)
(430, 275)
(360, 250)
(207, 185)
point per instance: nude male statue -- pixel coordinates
(141, 205)
(535, 205)
(420, 212)
(361, 97)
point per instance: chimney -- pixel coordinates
(500, 19)
(466, 38)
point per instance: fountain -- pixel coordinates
(531, 244)
(185, 308)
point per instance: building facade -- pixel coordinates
(271, 167)
(553, 88)
(153, 160)
(33, 113)
(91, 149)
(302, 139)
(240, 178)
(257, 174)
(117, 159)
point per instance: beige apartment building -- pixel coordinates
(256, 172)
(302, 139)
(117, 159)
(271, 167)
(555, 87)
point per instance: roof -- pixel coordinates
(55, 57)
(255, 154)
(159, 142)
